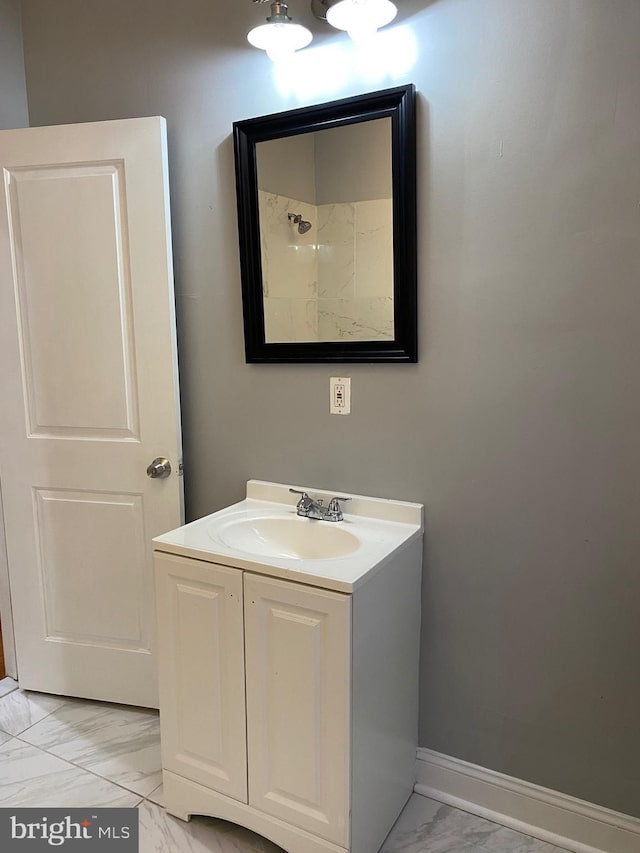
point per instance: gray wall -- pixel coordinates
(353, 163)
(13, 90)
(518, 429)
(287, 167)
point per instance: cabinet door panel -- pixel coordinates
(298, 710)
(201, 655)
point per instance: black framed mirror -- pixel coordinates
(327, 228)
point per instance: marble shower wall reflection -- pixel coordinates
(334, 283)
(289, 270)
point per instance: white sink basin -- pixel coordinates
(264, 534)
(298, 538)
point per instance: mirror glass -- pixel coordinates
(327, 229)
(325, 206)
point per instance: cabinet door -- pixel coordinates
(201, 657)
(298, 708)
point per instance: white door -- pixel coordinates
(297, 648)
(201, 655)
(88, 377)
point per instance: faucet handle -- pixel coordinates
(334, 510)
(305, 502)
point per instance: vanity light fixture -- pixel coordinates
(280, 37)
(361, 18)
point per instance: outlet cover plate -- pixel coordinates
(340, 395)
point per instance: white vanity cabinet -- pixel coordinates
(288, 701)
(201, 659)
(297, 641)
(293, 719)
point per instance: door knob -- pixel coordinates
(160, 467)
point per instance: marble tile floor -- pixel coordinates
(56, 751)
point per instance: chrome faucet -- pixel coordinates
(308, 508)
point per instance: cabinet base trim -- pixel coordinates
(562, 820)
(183, 798)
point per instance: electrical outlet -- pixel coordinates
(340, 395)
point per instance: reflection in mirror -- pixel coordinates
(327, 230)
(326, 234)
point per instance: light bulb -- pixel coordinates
(279, 37)
(362, 31)
(280, 53)
(361, 18)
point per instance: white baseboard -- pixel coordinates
(549, 815)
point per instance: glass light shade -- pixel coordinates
(361, 18)
(280, 40)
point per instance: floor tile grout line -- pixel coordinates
(65, 700)
(31, 725)
(80, 767)
(154, 790)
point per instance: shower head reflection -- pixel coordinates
(303, 225)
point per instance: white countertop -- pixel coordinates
(382, 527)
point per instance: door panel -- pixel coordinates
(298, 712)
(88, 311)
(88, 370)
(103, 606)
(201, 657)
